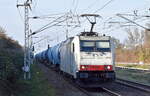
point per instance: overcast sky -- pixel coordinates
(11, 21)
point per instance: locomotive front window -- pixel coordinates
(87, 45)
(94, 46)
(102, 45)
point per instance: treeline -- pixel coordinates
(11, 61)
(136, 47)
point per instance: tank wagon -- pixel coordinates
(42, 57)
(86, 58)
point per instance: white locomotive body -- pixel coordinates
(88, 58)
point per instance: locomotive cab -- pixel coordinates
(96, 59)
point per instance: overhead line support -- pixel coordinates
(28, 40)
(120, 15)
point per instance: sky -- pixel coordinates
(13, 22)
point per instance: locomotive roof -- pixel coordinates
(95, 38)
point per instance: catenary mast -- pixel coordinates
(28, 58)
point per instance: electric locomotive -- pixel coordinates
(87, 58)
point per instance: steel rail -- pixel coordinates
(111, 92)
(147, 86)
(135, 85)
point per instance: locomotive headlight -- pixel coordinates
(83, 67)
(108, 67)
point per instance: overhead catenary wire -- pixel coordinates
(133, 22)
(51, 39)
(76, 6)
(73, 3)
(52, 25)
(128, 14)
(121, 24)
(48, 24)
(44, 28)
(40, 40)
(48, 16)
(98, 9)
(55, 22)
(35, 5)
(90, 6)
(21, 17)
(63, 13)
(104, 6)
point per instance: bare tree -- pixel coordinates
(2, 32)
(117, 43)
(135, 38)
(147, 36)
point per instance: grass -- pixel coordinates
(37, 86)
(132, 75)
(144, 66)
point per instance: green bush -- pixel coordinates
(11, 60)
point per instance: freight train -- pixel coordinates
(87, 58)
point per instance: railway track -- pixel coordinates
(135, 85)
(89, 91)
(118, 88)
(100, 91)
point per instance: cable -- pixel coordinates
(42, 29)
(35, 4)
(104, 6)
(90, 6)
(51, 15)
(73, 3)
(21, 17)
(75, 9)
(48, 24)
(51, 26)
(41, 40)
